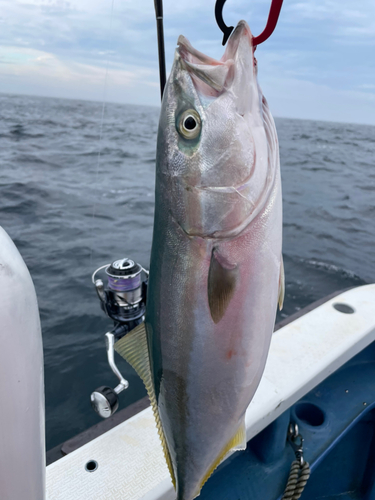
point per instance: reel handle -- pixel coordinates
(104, 400)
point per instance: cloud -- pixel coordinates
(26, 70)
(367, 86)
(297, 98)
(322, 46)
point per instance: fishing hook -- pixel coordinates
(268, 30)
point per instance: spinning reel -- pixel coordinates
(123, 299)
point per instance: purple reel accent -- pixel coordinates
(124, 284)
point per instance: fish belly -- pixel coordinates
(206, 373)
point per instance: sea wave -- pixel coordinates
(70, 210)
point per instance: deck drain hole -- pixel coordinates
(91, 466)
(309, 414)
(343, 308)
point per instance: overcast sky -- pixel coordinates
(318, 64)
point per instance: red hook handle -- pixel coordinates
(273, 17)
(268, 30)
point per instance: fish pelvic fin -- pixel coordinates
(134, 349)
(281, 284)
(236, 443)
(222, 278)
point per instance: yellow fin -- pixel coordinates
(236, 443)
(134, 349)
(281, 284)
(222, 278)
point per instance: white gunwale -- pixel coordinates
(302, 354)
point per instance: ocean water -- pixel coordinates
(69, 212)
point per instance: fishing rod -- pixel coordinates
(123, 293)
(160, 30)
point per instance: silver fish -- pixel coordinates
(216, 271)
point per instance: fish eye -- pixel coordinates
(189, 125)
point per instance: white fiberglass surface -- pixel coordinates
(22, 442)
(131, 465)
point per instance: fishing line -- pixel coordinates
(100, 136)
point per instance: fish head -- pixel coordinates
(212, 144)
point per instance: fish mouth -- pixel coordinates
(209, 75)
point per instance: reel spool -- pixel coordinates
(123, 299)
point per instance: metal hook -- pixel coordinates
(268, 30)
(296, 441)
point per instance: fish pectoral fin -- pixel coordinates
(281, 284)
(222, 279)
(133, 347)
(236, 443)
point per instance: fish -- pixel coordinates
(216, 272)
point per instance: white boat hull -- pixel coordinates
(22, 442)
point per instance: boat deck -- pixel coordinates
(303, 354)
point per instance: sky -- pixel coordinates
(318, 64)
